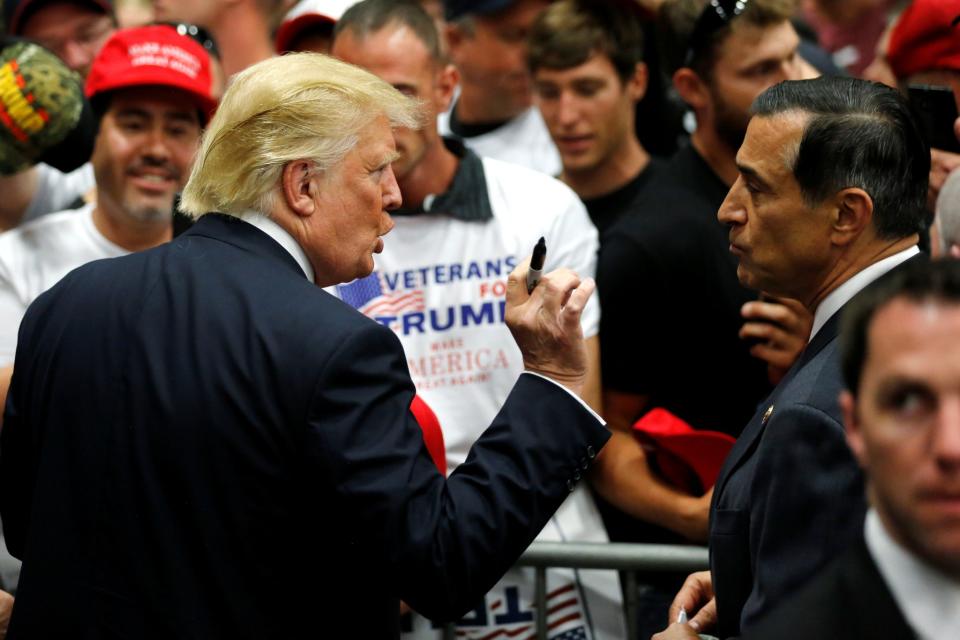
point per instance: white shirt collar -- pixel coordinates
(928, 599)
(842, 294)
(283, 238)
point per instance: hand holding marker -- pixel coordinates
(536, 264)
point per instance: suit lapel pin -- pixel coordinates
(766, 415)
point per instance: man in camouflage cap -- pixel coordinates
(43, 114)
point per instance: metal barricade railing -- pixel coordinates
(614, 555)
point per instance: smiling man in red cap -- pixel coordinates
(151, 88)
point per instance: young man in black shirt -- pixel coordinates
(588, 74)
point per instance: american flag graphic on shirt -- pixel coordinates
(371, 297)
(565, 620)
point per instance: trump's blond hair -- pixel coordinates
(299, 106)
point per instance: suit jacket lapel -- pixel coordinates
(750, 436)
(872, 610)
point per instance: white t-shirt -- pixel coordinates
(35, 256)
(524, 140)
(440, 284)
(57, 190)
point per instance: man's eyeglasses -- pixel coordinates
(198, 34)
(716, 15)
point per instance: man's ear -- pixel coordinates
(954, 251)
(298, 184)
(848, 406)
(691, 88)
(637, 83)
(852, 216)
(447, 80)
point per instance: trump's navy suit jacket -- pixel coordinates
(199, 443)
(790, 495)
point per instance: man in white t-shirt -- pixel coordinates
(493, 112)
(440, 285)
(151, 114)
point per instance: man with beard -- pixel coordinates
(151, 88)
(682, 333)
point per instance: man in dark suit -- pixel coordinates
(830, 195)
(200, 443)
(901, 363)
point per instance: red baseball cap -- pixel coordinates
(687, 458)
(306, 14)
(155, 55)
(924, 38)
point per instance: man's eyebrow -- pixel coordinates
(750, 172)
(390, 158)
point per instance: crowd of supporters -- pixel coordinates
(617, 130)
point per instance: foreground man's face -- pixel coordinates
(905, 426)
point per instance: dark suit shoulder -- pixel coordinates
(848, 599)
(268, 287)
(817, 384)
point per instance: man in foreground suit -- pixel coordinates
(199, 442)
(901, 362)
(830, 196)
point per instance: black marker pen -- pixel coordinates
(536, 264)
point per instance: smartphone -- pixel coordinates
(936, 111)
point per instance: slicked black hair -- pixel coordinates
(860, 134)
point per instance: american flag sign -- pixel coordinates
(371, 297)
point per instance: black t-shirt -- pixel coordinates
(671, 303)
(605, 210)
(671, 314)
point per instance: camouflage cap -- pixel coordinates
(41, 107)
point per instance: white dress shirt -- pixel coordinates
(283, 238)
(842, 294)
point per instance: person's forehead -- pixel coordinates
(747, 44)
(597, 67)
(768, 141)
(60, 16)
(911, 337)
(394, 47)
(159, 100)
(375, 140)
